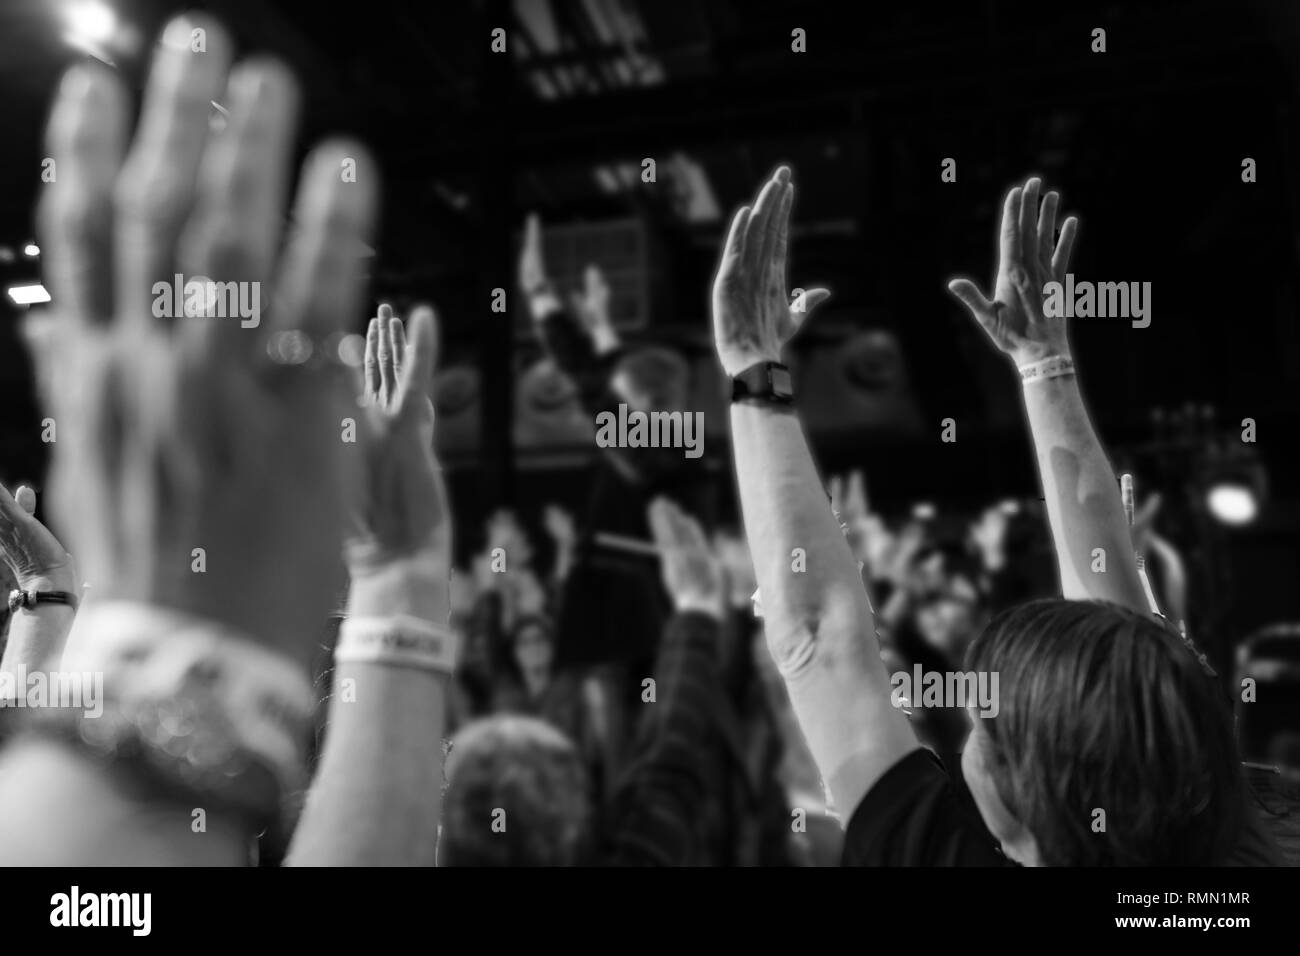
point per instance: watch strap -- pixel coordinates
(20, 599)
(766, 382)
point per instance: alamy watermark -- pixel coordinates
(636, 429)
(73, 690)
(201, 296)
(132, 911)
(919, 688)
(1101, 300)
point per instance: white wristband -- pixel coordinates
(401, 641)
(1052, 367)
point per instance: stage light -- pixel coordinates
(91, 22)
(28, 294)
(352, 350)
(1232, 503)
(31, 250)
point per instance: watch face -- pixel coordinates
(780, 381)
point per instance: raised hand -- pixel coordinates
(532, 268)
(201, 442)
(989, 534)
(559, 525)
(400, 510)
(32, 554)
(753, 317)
(591, 305)
(1029, 256)
(692, 573)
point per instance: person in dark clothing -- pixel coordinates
(612, 590)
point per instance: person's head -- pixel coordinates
(950, 605)
(653, 378)
(533, 646)
(516, 796)
(1110, 744)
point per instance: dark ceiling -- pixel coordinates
(1145, 140)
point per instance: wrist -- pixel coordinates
(418, 586)
(57, 579)
(543, 300)
(735, 363)
(1039, 352)
(1049, 367)
(713, 605)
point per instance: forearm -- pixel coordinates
(1094, 550)
(376, 798)
(655, 804)
(816, 616)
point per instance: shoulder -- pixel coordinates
(916, 816)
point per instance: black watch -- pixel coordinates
(19, 599)
(764, 382)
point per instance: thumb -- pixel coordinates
(26, 499)
(802, 306)
(971, 297)
(808, 300)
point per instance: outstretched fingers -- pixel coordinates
(1009, 232)
(1028, 239)
(1047, 232)
(387, 373)
(1064, 247)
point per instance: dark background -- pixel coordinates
(1145, 141)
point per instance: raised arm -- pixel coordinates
(376, 798)
(197, 449)
(816, 616)
(1094, 551)
(679, 742)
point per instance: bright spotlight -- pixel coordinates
(32, 250)
(92, 22)
(29, 294)
(352, 350)
(1232, 504)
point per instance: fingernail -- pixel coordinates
(179, 33)
(782, 175)
(249, 86)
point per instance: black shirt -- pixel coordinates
(916, 815)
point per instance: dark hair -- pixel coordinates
(1102, 708)
(516, 796)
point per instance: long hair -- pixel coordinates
(1111, 743)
